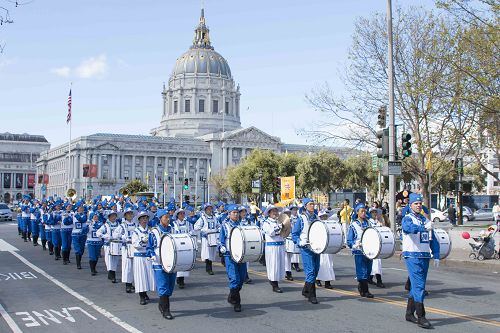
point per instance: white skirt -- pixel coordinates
(127, 267)
(326, 272)
(207, 252)
(275, 262)
(376, 267)
(143, 275)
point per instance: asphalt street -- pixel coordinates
(39, 294)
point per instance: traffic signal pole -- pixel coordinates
(392, 138)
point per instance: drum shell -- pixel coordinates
(386, 243)
(115, 248)
(444, 243)
(183, 250)
(291, 247)
(330, 240)
(246, 244)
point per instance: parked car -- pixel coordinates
(438, 216)
(5, 213)
(484, 214)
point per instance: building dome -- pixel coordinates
(199, 61)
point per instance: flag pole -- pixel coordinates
(70, 101)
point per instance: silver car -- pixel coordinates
(5, 213)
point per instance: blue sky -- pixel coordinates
(118, 53)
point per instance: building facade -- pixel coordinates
(18, 155)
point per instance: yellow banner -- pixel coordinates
(287, 188)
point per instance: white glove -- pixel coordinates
(436, 263)
(357, 245)
(223, 249)
(428, 225)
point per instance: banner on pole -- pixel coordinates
(287, 188)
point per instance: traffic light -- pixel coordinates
(383, 143)
(186, 184)
(406, 144)
(382, 113)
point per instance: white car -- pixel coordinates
(438, 216)
(5, 213)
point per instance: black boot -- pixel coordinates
(78, 261)
(180, 282)
(410, 311)
(166, 308)
(128, 288)
(237, 299)
(231, 299)
(370, 280)
(328, 285)
(379, 281)
(305, 290)
(44, 245)
(288, 276)
(142, 299)
(421, 321)
(113, 277)
(312, 293)
(276, 287)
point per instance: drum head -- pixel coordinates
(236, 242)
(371, 243)
(167, 253)
(318, 237)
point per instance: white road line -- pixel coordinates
(12, 324)
(104, 312)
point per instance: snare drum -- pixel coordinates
(115, 248)
(444, 243)
(177, 252)
(378, 243)
(246, 244)
(290, 246)
(130, 251)
(213, 238)
(325, 237)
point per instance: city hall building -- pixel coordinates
(199, 135)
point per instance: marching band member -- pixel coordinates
(55, 221)
(207, 223)
(106, 233)
(143, 268)
(124, 232)
(79, 233)
(311, 260)
(377, 263)
(236, 272)
(94, 243)
(182, 226)
(326, 272)
(165, 282)
(419, 241)
(363, 264)
(275, 247)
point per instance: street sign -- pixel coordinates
(90, 187)
(392, 168)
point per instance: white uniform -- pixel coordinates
(106, 233)
(144, 279)
(377, 263)
(124, 232)
(207, 224)
(275, 250)
(183, 227)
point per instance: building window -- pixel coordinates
(215, 106)
(175, 106)
(187, 105)
(226, 109)
(201, 105)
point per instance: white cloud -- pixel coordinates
(61, 71)
(92, 67)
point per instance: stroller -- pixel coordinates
(484, 246)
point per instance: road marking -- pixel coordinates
(104, 312)
(12, 324)
(402, 304)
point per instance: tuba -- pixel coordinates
(71, 194)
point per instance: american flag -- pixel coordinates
(68, 118)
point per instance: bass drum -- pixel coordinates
(177, 252)
(378, 243)
(246, 244)
(444, 243)
(325, 237)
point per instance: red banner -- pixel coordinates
(31, 180)
(90, 170)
